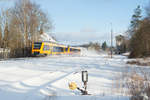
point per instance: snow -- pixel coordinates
(46, 37)
(47, 78)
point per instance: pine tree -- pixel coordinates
(135, 21)
(104, 45)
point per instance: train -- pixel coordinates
(49, 48)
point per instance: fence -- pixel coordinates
(4, 53)
(15, 53)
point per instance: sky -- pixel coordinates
(87, 20)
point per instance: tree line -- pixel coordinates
(139, 33)
(21, 25)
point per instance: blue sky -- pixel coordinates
(87, 20)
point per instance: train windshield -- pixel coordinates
(37, 45)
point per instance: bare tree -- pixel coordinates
(26, 22)
(21, 25)
(6, 36)
(1, 38)
(30, 19)
(4, 25)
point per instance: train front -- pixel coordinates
(36, 48)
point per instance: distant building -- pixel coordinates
(120, 44)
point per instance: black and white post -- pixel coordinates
(85, 80)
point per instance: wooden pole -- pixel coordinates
(111, 41)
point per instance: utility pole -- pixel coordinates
(111, 40)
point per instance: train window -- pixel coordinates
(66, 49)
(54, 49)
(37, 45)
(76, 50)
(46, 47)
(58, 49)
(61, 49)
(71, 49)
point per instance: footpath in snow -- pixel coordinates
(47, 78)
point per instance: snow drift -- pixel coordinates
(46, 37)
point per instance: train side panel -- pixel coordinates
(46, 48)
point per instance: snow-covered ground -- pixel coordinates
(47, 78)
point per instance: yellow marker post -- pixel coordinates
(72, 85)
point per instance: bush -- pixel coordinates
(138, 86)
(140, 43)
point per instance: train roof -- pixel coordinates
(62, 45)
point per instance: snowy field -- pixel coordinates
(47, 78)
